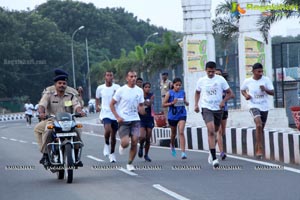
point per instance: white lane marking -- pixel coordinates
(15, 140)
(120, 169)
(97, 135)
(127, 172)
(34, 143)
(93, 134)
(169, 192)
(94, 158)
(290, 169)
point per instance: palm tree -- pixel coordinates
(166, 55)
(225, 26)
(228, 26)
(273, 16)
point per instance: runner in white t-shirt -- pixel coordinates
(256, 90)
(209, 90)
(36, 109)
(28, 112)
(104, 94)
(129, 101)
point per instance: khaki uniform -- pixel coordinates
(53, 104)
(68, 90)
(81, 101)
(165, 86)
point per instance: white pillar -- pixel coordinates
(198, 43)
(249, 41)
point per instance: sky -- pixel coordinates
(165, 13)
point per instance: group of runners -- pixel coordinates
(129, 110)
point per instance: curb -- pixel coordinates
(11, 117)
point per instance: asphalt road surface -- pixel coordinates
(166, 177)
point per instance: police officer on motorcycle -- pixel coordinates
(52, 102)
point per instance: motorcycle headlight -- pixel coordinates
(65, 125)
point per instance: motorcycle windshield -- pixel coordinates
(63, 116)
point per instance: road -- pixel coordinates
(22, 177)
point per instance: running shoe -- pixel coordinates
(140, 154)
(183, 155)
(173, 151)
(106, 150)
(121, 150)
(147, 159)
(130, 167)
(112, 158)
(223, 155)
(215, 163)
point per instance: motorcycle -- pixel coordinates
(63, 156)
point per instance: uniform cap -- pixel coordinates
(60, 75)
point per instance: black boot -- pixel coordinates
(78, 162)
(42, 159)
(45, 160)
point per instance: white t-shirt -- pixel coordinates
(106, 94)
(128, 100)
(28, 108)
(211, 91)
(259, 99)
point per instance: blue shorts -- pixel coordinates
(175, 122)
(147, 124)
(113, 123)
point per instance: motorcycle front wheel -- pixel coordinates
(69, 164)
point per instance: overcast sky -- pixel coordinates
(165, 13)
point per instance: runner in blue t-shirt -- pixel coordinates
(176, 101)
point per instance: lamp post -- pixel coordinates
(149, 36)
(73, 67)
(88, 68)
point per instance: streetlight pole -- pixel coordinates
(88, 68)
(73, 67)
(146, 50)
(149, 36)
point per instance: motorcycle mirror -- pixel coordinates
(50, 127)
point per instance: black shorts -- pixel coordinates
(27, 115)
(225, 115)
(255, 112)
(175, 122)
(212, 115)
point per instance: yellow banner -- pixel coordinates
(254, 53)
(196, 55)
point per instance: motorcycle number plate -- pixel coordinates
(66, 134)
